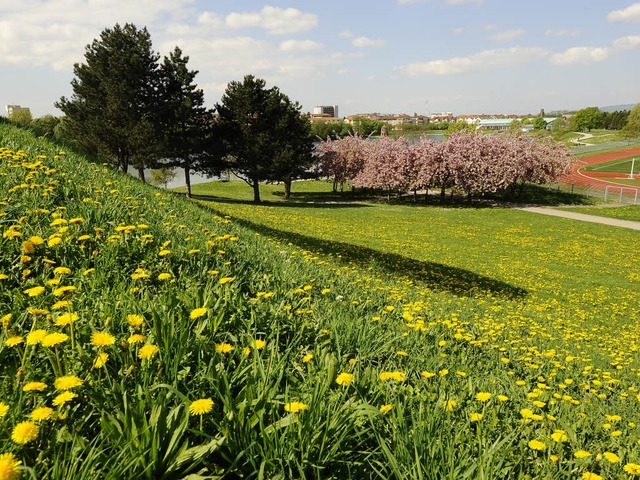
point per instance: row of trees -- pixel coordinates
(132, 109)
(467, 162)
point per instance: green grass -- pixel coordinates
(630, 212)
(622, 166)
(360, 306)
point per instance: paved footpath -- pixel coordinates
(583, 217)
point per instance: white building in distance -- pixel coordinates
(14, 108)
(331, 110)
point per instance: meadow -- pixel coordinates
(147, 336)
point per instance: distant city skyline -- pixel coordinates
(394, 56)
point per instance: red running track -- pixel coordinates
(593, 180)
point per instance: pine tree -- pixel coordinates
(184, 121)
(111, 112)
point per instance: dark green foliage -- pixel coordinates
(586, 119)
(615, 120)
(181, 116)
(632, 127)
(112, 110)
(263, 136)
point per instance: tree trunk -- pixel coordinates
(256, 191)
(287, 188)
(469, 198)
(141, 174)
(187, 179)
(442, 194)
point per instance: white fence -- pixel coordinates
(626, 195)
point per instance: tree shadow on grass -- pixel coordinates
(435, 276)
(290, 204)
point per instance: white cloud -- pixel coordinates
(481, 61)
(365, 42)
(627, 43)
(55, 32)
(300, 45)
(274, 20)
(347, 34)
(508, 34)
(590, 55)
(581, 56)
(458, 30)
(562, 32)
(629, 14)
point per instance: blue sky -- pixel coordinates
(387, 56)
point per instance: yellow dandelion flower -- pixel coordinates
(136, 338)
(559, 436)
(164, 252)
(386, 408)
(60, 304)
(61, 271)
(28, 247)
(36, 337)
(35, 291)
(397, 376)
(295, 407)
(198, 312)
(345, 379)
(450, 404)
(53, 339)
(536, 445)
(632, 468)
(581, 454)
(25, 432)
(224, 347)
(427, 375)
(200, 407)
(590, 476)
(483, 396)
(37, 311)
(224, 280)
(4, 276)
(41, 413)
(9, 466)
(4, 409)
(14, 340)
(148, 351)
(6, 319)
(164, 276)
(63, 398)
(100, 360)
(57, 222)
(503, 398)
(443, 372)
(60, 291)
(102, 339)
(476, 417)
(611, 457)
(135, 320)
(68, 382)
(66, 319)
(258, 344)
(307, 358)
(34, 387)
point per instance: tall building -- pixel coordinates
(331, 110)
